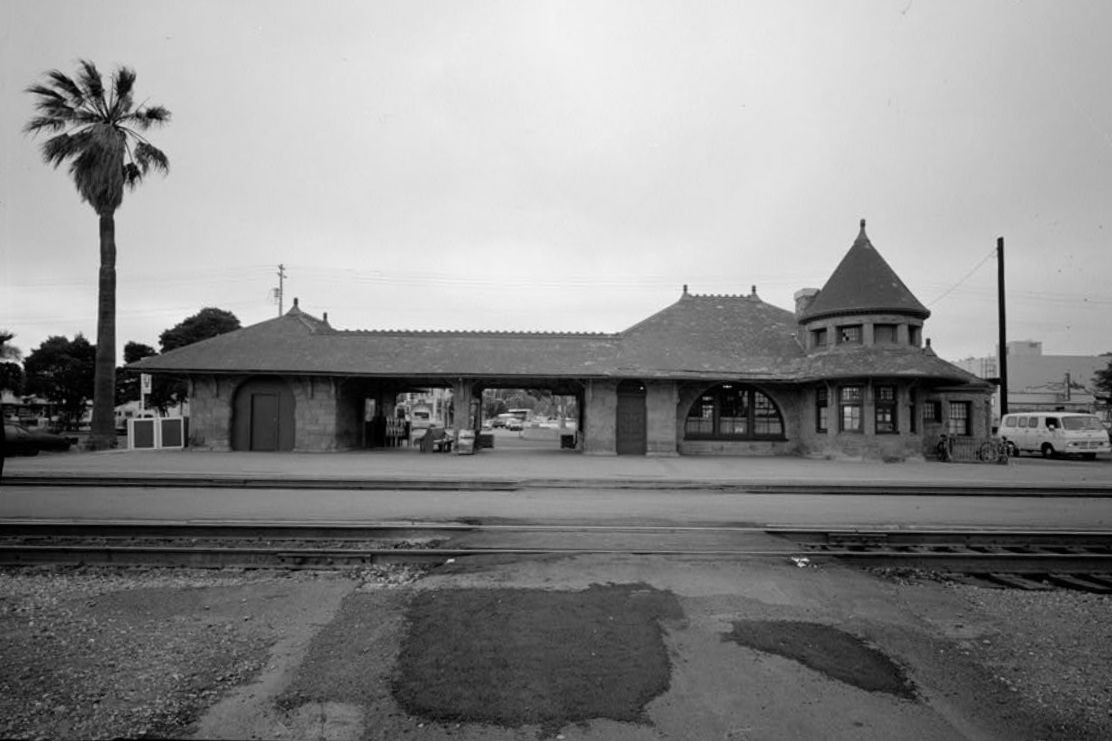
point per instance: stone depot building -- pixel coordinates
(846, 374)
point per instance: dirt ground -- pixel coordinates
(600, 647)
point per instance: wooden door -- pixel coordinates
(632, 438)
(264, 421)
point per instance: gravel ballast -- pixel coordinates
(110, 652)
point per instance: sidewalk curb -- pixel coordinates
(513, 484)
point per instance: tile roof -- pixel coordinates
(297, 343)
(739, 336)
(883, 362)
(864, 283)
(697, 337)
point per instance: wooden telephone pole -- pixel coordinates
(281, 286)
(1002, 351)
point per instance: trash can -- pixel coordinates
(567, 440)
(465, 443)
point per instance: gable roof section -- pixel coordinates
(864, 283)
(739, 336)
(297, 343)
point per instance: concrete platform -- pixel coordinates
(548, 468)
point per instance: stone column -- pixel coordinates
(661, 399)
(600, 418)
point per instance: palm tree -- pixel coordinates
(97, 131)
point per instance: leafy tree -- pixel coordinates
(11, 373)
(11, 377)
(206, 323)
(166, 391)
(127, 383)
(1102, 382)
(97, 131)
(63, 371)
(8, 351)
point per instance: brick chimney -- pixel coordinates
(803, 298)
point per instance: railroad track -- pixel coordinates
(1014, 558)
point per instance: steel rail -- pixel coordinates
(955, 549)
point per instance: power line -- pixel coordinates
(976, 267)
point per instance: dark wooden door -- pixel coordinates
(264, 421)
(632, 438)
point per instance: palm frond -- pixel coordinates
(93, 86)
(148, 156)
(44, 123)
(144, 118)
(123, 80)
(71, 88)
(132, 175)
(58, 149)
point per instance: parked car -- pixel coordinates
(20, 440)
(513, 423)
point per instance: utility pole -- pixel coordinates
(1002, 350)
(281, 286)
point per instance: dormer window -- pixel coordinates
(818, 337)
(849, 334)
(915, 335)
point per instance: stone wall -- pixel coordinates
(315, 414)
(210, 411)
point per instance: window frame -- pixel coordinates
(960, 425)
(886, 416)
(761, 412)
(820, 338)
(851, 410)
(849, 334)
(888, 327)
(822, 409)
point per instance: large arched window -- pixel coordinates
(735, 412)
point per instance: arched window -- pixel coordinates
(734, 412)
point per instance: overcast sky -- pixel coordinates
(571, 165)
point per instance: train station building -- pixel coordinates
(845, 373)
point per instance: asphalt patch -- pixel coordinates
(835, 653)
(515, 657)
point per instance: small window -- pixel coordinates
(818, 337)
(912, 411)
(885, 410)
(1009, 422)
(914, 335)
(849, 407)
(822, 409)
(932, 411)
(1052, 422)
(849, 334)
(885, 334)
(959, 418)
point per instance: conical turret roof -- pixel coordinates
(864, 283)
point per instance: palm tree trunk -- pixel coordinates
(103, 432)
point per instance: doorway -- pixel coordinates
(263, 416)
(632, 434)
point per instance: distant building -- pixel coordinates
(1038, 382)
(847, 374)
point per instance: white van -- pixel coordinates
(1054, 433)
